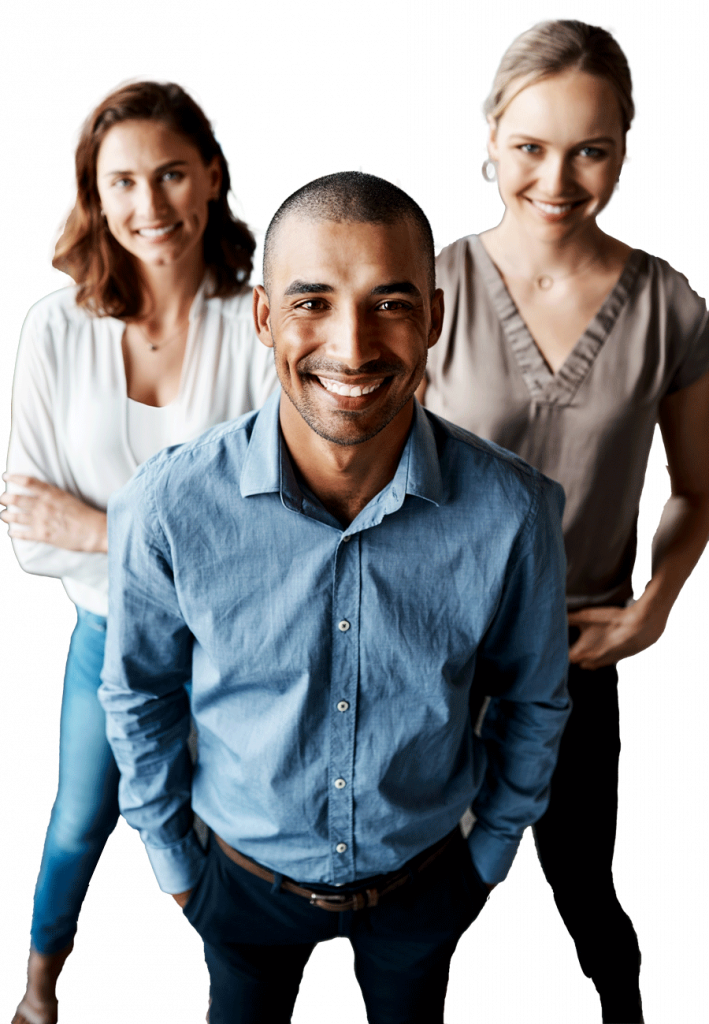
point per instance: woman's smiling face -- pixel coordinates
(558, 147)
(154, 189)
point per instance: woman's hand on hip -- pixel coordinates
(609, 634)
(43, 512)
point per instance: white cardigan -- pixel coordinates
(70, 410)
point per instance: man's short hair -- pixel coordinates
(352, 196)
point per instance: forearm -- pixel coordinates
(149, 741)
(147, 662)
(40, 512)
(523, 668)
(680, 539)
(94, 537)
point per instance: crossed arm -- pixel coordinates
(38, 511)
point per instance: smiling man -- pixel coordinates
(344, 577)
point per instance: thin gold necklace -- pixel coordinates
(165, 343)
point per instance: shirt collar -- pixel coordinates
(268, 468)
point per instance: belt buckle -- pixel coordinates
(327, 897)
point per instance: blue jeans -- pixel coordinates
(85, 811)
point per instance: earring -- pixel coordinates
(489, 171)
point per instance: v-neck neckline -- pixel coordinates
(544, 386)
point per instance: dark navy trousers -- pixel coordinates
(576, 837)
(258, 938)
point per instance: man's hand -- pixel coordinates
(43, 512)
(181, 897)
(609, 634)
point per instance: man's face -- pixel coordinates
(351, 318)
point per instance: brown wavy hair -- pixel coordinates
(107, 276)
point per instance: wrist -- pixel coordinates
(97, 541)
(653, 607)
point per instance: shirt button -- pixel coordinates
(341, 847)
(345, 539)
(342, 705)
(343, 626)
(340, 783)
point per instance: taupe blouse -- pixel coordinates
(590, 425)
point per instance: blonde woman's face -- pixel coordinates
(559, 148)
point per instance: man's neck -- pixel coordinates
(344, 478)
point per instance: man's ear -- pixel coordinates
(437, 310)
(262, 316)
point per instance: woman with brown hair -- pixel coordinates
(567, 346)
(153, 345)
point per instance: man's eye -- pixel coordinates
(392, 304)
(312, 305)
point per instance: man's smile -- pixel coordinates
(339, 387)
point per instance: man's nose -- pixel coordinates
(353, 340)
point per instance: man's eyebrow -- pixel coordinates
(307, 288)
(299, 287)
(400, 287)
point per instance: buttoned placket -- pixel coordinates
(344, 679)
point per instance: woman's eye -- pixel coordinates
(172, 176)
(593, 152)
(122, 183)
(529, 147)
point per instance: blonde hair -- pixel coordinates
(552, 47)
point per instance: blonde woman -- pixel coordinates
(567, 346)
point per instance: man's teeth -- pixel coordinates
(349, 390)
(551, 207)
(157, 232)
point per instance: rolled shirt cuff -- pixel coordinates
(491, 856)
(178, 867)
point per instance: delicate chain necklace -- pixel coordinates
(546, 281)
(165, 343)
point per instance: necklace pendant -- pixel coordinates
(153, 348)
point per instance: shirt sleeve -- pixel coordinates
(523, 665)
(34, 450)
(679, 315)
(147, 663)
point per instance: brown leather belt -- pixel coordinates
(368, 896)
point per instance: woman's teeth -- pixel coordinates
(157, 232)
(552, 207)
(349, 390)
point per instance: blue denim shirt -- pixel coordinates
(332, 668)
